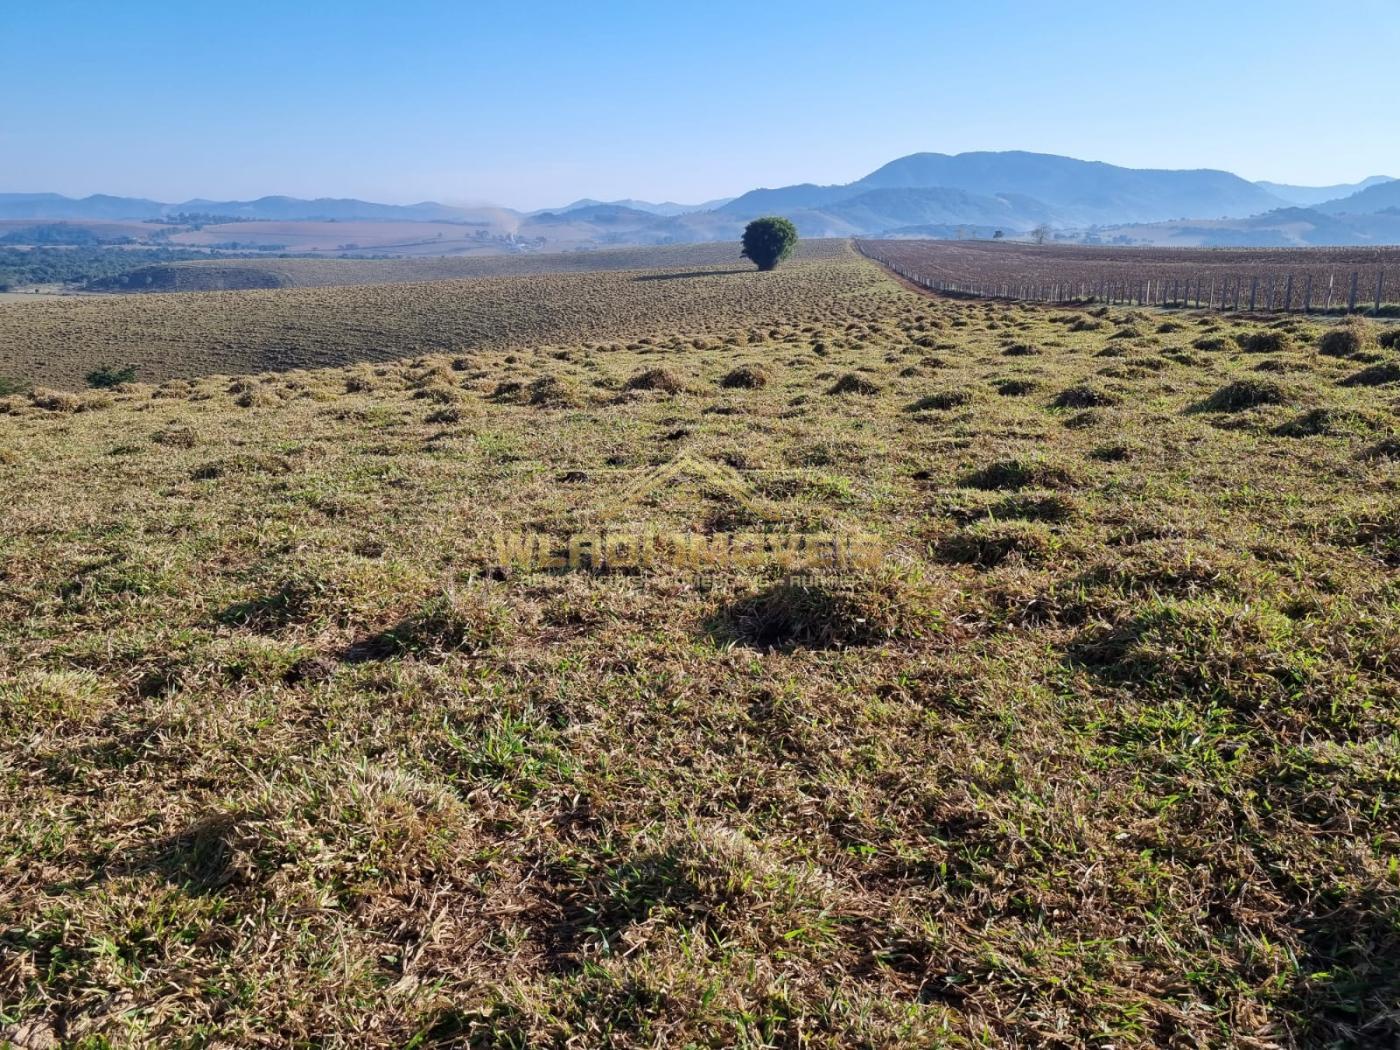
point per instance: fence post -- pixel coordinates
(1351, 299)
(1253, 293)
(1288, 296)
(1380, 280)
(1307, 297)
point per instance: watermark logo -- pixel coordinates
(625, 550)
(688, 467)
(645, 551)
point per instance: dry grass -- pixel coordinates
(1103, 754)
(226, 274)
(187, 334)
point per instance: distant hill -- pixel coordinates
(1310, 196)
(1081, 191)
(1381, 197)
(323, 208)
(601, 214)
(904, 207)
(665, 208)
(785, 199)
(889, 209)
(1067, 191)
(56, 206)
(275, 209)
(1281, 228)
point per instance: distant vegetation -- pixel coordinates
(110, 375)
(197, 219)
(20, 267)
(61, 233)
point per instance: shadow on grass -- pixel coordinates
(593, 909)
(215, 854)
(1349, 980)
(690, 273)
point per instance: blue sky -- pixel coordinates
(533, 104)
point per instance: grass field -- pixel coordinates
(1102, 754)
(56, 342)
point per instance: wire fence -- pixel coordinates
(1341, 291)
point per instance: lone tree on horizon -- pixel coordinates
(768, 241)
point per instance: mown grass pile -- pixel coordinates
(1104, 752)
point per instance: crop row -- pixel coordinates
(1307, 279)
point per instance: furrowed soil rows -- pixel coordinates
(1271, 278)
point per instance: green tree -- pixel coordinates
(768, 241)
(109, 376)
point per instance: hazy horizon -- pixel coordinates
(531, 109)
(459, 202)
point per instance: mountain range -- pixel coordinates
(1075, 192)
(1308, 196)
(923, 194)
(666, 208)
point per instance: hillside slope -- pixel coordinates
(1311, 196)
(1379, 198)
(1081, 191)
(56, 342)
(224, 274)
